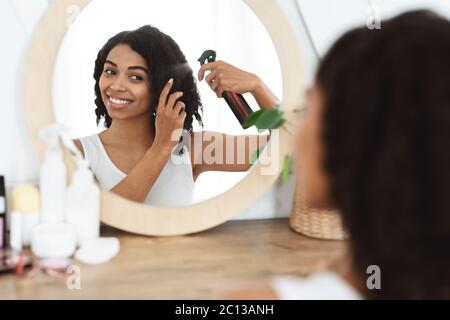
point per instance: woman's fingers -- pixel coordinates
(211, 66)
(211, 77)
(163, 96)
(179, 106)
(218, 81)
(182, 117)
(170, 115)
(219, 92)
(173, 99)
(221, 76)
(220, 86)
(164, 93)
(226, 77)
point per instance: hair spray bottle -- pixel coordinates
(236, 101)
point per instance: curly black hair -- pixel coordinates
(165, 60)
(386, 133)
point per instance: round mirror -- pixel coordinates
(227, 26)
(59, 86)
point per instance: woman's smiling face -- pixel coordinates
(125, 84)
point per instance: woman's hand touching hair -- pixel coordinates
(170, 116)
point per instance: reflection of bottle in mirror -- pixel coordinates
(236, 101)
(83, 203)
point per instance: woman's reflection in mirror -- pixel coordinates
(146, 97)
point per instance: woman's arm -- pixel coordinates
(226, 77)
(137, 184)
(264, 96)
(216, 151)
(140, 180)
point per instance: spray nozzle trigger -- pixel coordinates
(70, 145)
(208, 55)
(50, 134)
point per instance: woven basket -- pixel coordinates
(321, 224)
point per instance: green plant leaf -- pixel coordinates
(287, 164)
(252, 118)
(268, 119)
(279, 123)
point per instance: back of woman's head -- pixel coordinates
(164, 60)
(386, 133)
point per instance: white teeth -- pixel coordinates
(117, 101)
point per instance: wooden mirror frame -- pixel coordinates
(37, 104)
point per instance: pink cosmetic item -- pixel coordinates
(2, 213)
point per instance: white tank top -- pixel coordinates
(319, 286)
(174, 186)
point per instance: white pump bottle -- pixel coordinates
(82, 197)
(52, 180)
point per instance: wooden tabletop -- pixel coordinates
(200, 266)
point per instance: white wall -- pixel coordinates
(329, 19)
(18, 18)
